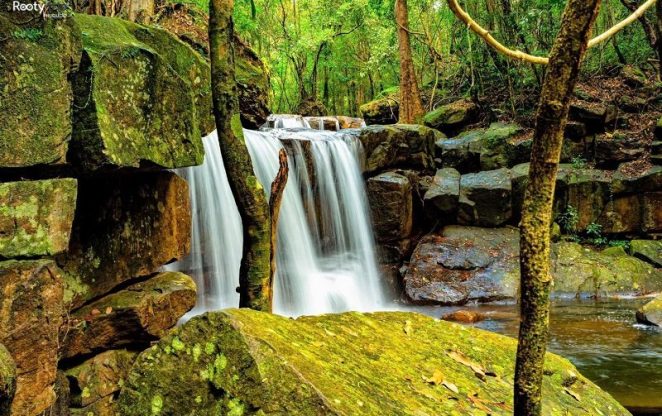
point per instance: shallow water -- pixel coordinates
(602, 339)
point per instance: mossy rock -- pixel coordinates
(35, 94)
(647, 250)
(7, 380)
(243, 362)
(381, 111)
(141, 97)
(504, 146)
(36, 217)
(651, 313)
(398, 146)
(452, 118)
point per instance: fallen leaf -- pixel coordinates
(436, 379)
(407, 327)
(450, 386)
(109, 310)
(574, 395)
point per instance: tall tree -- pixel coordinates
(552, 116)
(411, 105)
(256, 269)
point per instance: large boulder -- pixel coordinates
(381, 111)
(442, 196)
(452, 118)
(595, 116)
(485, 198)
(504, 146)
(36, 217)
(31, 314)
(7, 380)
(462, 152)
(126, 226)
(391, 206)
(350, 122)
(97, 379)
(584, 191)
(137, 315)
(651, 213)
(651, 313)
(401, 145)
(35, 98)
(612, 149)
(243, 362)
(139, 97)
(464, 264)
(252, 86)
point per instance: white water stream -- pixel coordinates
(325, 251)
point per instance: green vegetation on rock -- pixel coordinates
(252, 363)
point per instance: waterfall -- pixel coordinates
(325, 251)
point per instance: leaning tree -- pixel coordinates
(563, 65)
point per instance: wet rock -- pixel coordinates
(485, 198)
(35, 98)
(350, 122)
(585, 191)
(164, 109)
(452, 118)
(614, 149)
(7, 380)
(651, 212)
(244, 362)
(400, 145)
(31, 314)
(391, 206)
(441, 198)
(651, 313)
(36, 217)
(99, 377)
(381, 111)
(504, 146)
(311, 107)
(464, 316)
(137, 315)
(464, 264)
(519, 177)
(462, 152)
(647, 250)
(126, 226)
(326, 123)
(597, 117)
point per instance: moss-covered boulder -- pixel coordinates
(126, 226)
(400, 145)
(35, 93)
(242, 362)
(31, 314)
(36, 217)
(381, 111)
(98, 378)
(651, 313)
(141, 97)
(134, 316)
(7, 380)
(504, 146)
(452, 118)
(647, 250)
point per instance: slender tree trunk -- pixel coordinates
(552, 116)
(411, 105)
(658, 27)
(255, 271)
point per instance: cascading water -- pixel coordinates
(325, 251)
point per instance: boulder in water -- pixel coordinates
(452, 118)
(464, 316)
(350, 122)
(243, 362)
(651, 313)
(381, 111)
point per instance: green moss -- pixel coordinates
(345, 364)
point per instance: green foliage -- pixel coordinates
(620, 243)
(594, 234)
(32, 34)
(569, 219)
(578, 162)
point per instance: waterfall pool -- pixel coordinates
(601, 338)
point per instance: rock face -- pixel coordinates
(390, 200)
(442, 196)
(31, 314)
(401, 145)
(485, 198)
(99, 379)
(242, 362)
(463, 264)
(462, 152)
(146, 311)
(647, 250)
(382, 111)
(252, 86)
(651, 313)
(451, 118)
(126, 227)
(350, 122)
(7, 380)
(35, 100)
(36, 217)
(151, 70)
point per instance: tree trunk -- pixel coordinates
(646, 25)
(140, 11)
(658, 27)
(275, 199)
(411, 105)
(255, 271)
(552, 116)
